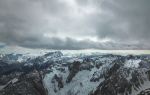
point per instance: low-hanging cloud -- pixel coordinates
(73, 24)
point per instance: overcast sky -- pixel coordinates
(75, 24)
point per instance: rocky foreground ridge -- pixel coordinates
(56, 74)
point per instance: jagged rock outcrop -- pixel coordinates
(25, 84)
(57, 81)
(73, 70)
(120, 80)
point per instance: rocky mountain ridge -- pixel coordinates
(56, 74)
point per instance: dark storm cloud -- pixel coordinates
(73, 24)
(130, 20)
(68, 43)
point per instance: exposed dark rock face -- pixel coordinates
(6, 69)
(59, 80)
(116, 82)
(86, 66)
(113, 86)
(28, 84)
(145, 92)
(17, 79)
(77, 66)
(73, 70)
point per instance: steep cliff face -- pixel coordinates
(56, 74)
(19, 79)
(23, 84)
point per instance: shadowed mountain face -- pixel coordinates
(57, 74)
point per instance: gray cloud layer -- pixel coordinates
(75, 24)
